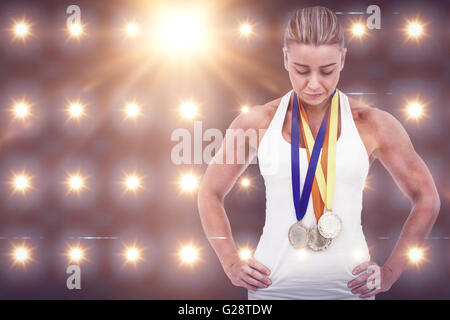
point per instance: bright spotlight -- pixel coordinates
(132, 254)
(245, 254)
(132, 182)
(21, 110)
(415, 110)
(189, 110)
(414, 29)
(358, 255)
(245, 182)
(76, 110)
(21, 29)
(132, 29)
(415, 255)
(358, 29)
(302, 254)
(245, 109)
(76, 30)
(76, 254)
(75, 182)
(20, 182)
(188, 254)
(21, 254)
(182, 32)
(245, 29)
(189, 182)
(132, 110)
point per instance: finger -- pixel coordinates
(258, 266)
(247, 285)
(361, 267)
(254, 282)
(360, 279)
(257, 275)
(360, 289)
(370, 293)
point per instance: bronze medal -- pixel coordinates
(316, 241)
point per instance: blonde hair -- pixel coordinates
(314, 25)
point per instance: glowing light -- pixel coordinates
(76, 30)
(189, 110)
(302, 254)
(189, 182)
(21, 254)
(188, 254)
(182, 32)
(132, 110)
(76, 110)
(246, 29)
(358, 29)
(245, 182)
(358, 255)
(132, 254)
(76, 254)
(21, 29)
(132, 29)
(245, 254)
(75, 182)
(21, 110)
(415, 109)
(132, 182)
(414, 29)
(245, 109)
(20, 182)
(415, 255)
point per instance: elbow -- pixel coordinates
(204, 193)
(431, 202)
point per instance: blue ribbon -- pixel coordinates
(301, 203)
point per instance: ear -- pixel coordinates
(343, 58)
(285, 58)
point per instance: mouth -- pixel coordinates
(313, 96)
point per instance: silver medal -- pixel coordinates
(329, 225)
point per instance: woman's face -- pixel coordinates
(314, 71)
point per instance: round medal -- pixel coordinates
(316, 241)
(298, 235)
(329, 225)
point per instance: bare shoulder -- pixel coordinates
(378, 128)
(258, 116)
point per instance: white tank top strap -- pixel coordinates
(280, 114)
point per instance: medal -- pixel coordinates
(316, 241)
(329, 225)
(298, 235)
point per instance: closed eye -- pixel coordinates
(324, 73)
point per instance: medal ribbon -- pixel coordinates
(301, 202)
(329, 155)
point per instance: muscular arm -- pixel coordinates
(220, 178)
(395, 151)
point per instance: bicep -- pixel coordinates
(233, 157)
(397, 155)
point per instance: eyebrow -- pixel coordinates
(304, 65)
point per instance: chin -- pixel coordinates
(314, 102)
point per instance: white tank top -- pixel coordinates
(308, 274)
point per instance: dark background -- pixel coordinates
(104, 69)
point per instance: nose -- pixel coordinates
(313, 84)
